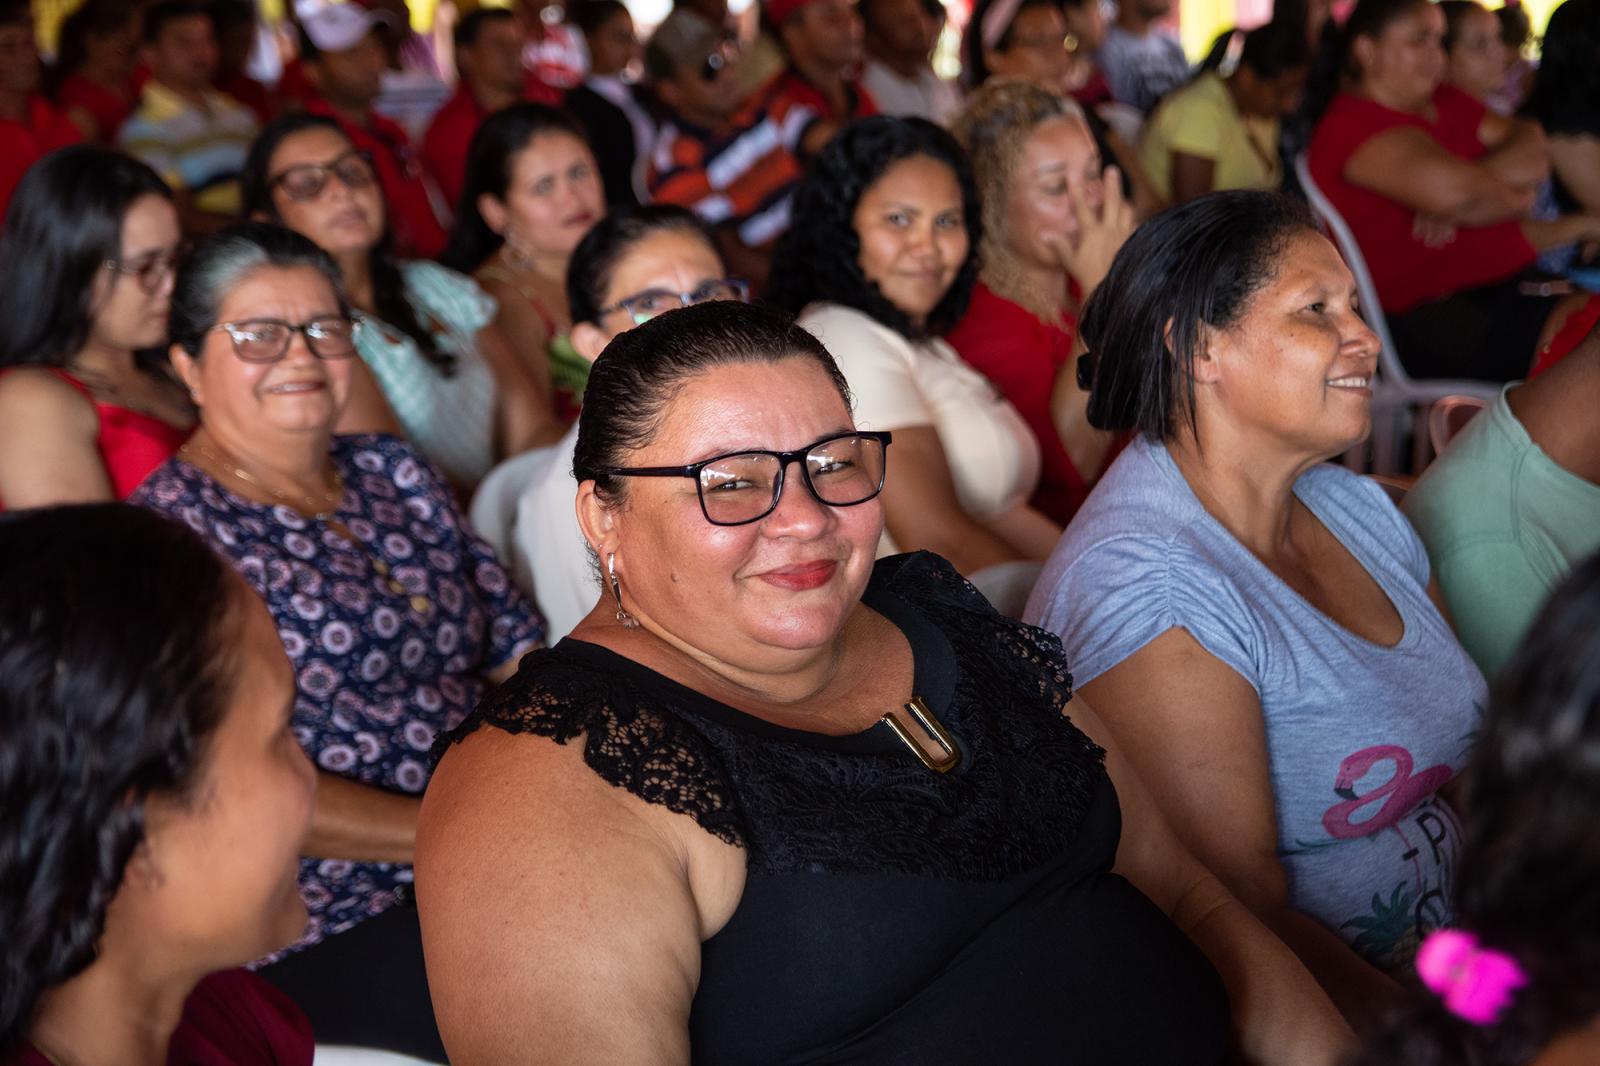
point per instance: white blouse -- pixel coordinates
(897, 383)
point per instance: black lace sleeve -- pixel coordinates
(650, 753)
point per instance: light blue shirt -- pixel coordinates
(1360, 737)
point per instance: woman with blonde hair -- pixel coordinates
(1053, 218)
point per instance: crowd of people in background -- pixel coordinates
(558, 539)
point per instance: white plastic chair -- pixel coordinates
(493, 512)
(1397, 397)
(1449, 416)
(342, 1055)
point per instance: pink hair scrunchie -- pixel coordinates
(1475, 983)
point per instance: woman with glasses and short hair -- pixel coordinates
(634, 264)
(433, 364)
(395, 616)
(88, 404)
(781, 803)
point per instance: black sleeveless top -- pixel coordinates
(892, 914)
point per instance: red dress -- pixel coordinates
(416, 228)
(1406, 271)
(232, 1018)
(131, 443)
(1022, 356)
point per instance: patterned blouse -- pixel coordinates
(389, 638)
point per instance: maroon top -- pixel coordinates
(1406, 271)
(232, 1018)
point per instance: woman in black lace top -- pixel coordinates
(800, 807)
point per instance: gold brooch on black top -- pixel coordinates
(941, 760)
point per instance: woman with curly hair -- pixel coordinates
(155, 799)
(1529, 930)
(1052, 221)
(880, 261)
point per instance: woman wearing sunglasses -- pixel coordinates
(88, 404)
(395, 617)
(800, 806)
(433, 364)
(635, 264)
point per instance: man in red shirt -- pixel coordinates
(489, 61)
(817, 92)
(29, 126)
(344, 63)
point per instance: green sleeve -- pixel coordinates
(1494, 592)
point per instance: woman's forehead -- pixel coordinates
(778, 405)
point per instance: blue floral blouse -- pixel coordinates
(390, 639)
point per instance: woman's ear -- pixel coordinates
(493, 211)
(1362, 50)
(1206, 368)
(187, 368)
(589, 340)
(597, 520)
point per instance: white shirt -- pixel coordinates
(925, 96)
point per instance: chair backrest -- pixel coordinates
(1447, 417)
(1388, 361)
(494, 506)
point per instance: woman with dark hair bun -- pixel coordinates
(155, 799)
(433, 363)
(88, 403)
(1258, 627)
(1525, 892)
(879, 261)
(532, 191)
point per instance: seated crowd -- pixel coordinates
(741, 549)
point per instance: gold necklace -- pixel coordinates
(420, 604)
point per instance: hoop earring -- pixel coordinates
(626, 620)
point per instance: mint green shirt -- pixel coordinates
(1503, 524)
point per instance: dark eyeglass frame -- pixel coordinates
(161, 264)
(685, 299)
(326, 172)
(692, 470)
(234, 328)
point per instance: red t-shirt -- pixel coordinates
(449, 136)
(1406, 271)
(232, 1018)
(104, 106)
(1573, 332)
(22, 143)
(417, 232)
(1022, 356)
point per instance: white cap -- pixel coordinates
(336, 27)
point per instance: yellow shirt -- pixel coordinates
(1201, 120)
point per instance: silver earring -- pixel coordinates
(626, 620)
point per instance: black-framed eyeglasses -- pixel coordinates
(643, 306)
(743, 487)
(152, 268)
(305, 181)
(266, 340)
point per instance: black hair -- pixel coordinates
(1276, 48)
(158, 16)
(1515, 26)
(1190, 267)
(114, 673)
(1529, 855)
(14, 12)
(641, 371)
(388, 284)
(1369, 18)
(94, 18)
(608, 241)
(490, 158)
(223, 260)
(1456, 12)
(819, 256)
(1566, 86)
(974, 70)
(589, 15)
(232, 14)
(467, 30)
(63, 225)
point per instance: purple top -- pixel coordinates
(389, 639)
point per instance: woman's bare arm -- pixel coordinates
(361, 823)
(48, 443)
(1411, 168)
(921, 510)
(525, 415)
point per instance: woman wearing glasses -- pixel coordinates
(394, 615)
(880, 261)
(433, 364)
(801, 806)
(532, 191)
(635, 264)
(88, 404)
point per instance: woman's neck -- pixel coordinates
(356, 269)
(115, 1013)
(1042, 290)
(104, 361)
(548, 267)
(289, 468)
(1247, 487)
